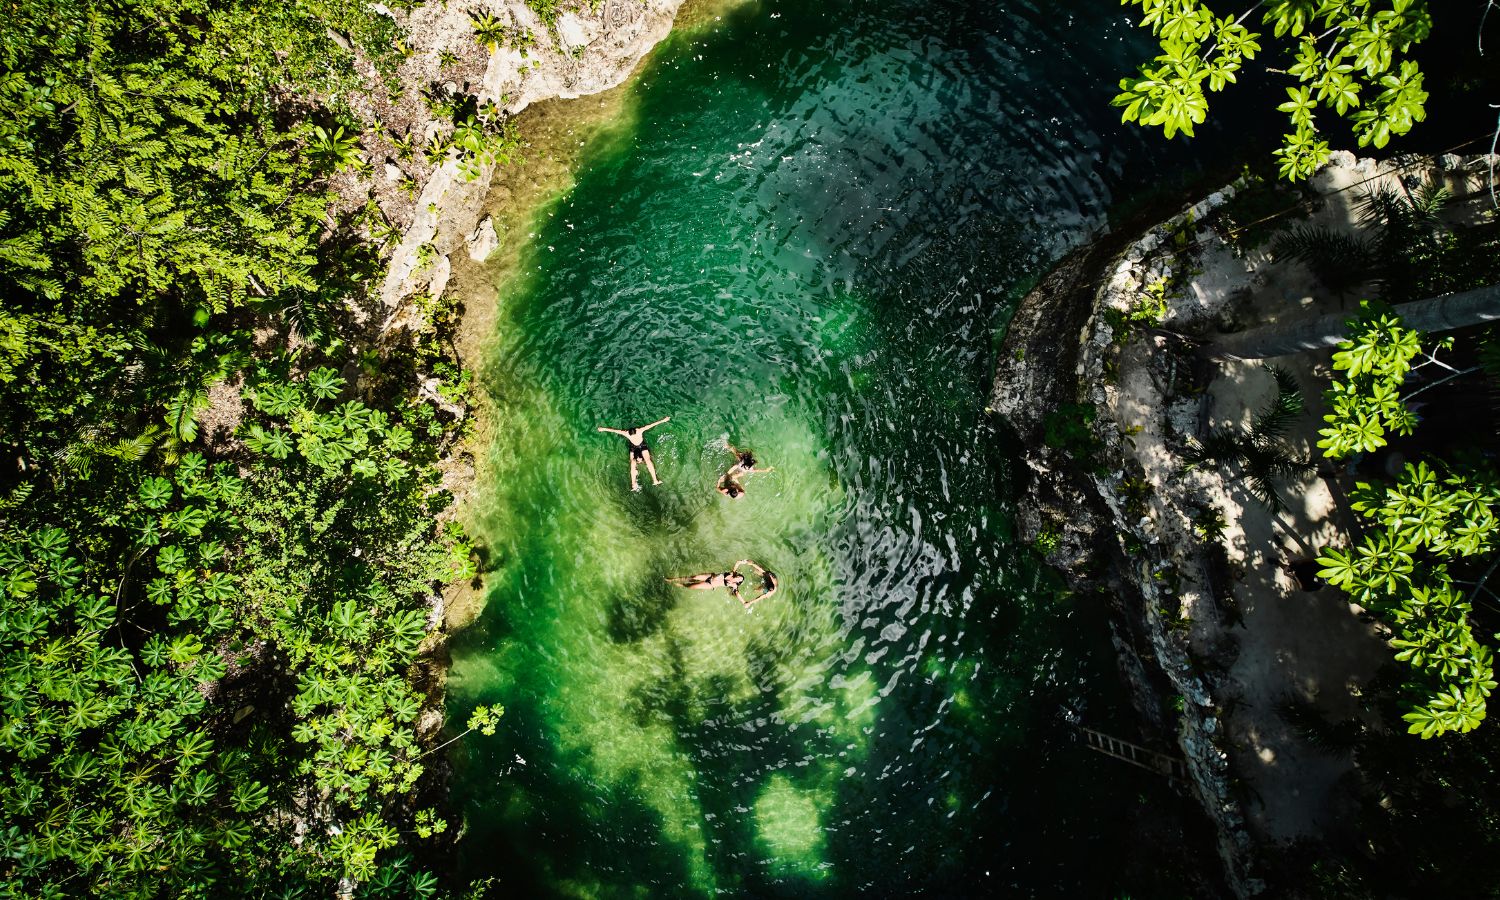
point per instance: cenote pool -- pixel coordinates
(803, 237)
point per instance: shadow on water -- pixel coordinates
(534, 816)
(806, 245)
(642, 614)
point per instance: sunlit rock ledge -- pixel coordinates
(590, 52)
(1222, 635)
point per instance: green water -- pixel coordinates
(804, 242)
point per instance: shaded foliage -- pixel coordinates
(207, 659)
(1258, 457)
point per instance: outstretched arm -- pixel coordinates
(760, 471)
(612, 430)
(746, 562)
(660, 421)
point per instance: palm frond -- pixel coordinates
(1285, 407)
(1263, 489)
(137, 448)
(308, 319)
(1379, 207)
(1220, 448)
(1341, 261)
(1429, 200)
(182, 411)
(20, 495)
(1277, 462)
(172, 449)
(78, 457)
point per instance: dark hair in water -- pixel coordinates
(747, 459)
(733, 489)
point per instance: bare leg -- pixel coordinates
(635, 485)
(693, 582)
(651, 467)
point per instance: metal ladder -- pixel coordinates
(1135, 754)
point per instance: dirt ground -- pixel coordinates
(1291, 645)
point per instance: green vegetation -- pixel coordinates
(1068, 428)
(1433, 532)
(1258, 457)
(1345, 57)
(547, 11)
(1148, 311)
(488, 29)
(1422, 525)
(1367, 403)
(1399, 571)
(480, 137)
(1439, 515)
(219, 546)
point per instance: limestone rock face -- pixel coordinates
(483, 240)
(430, 723)
(590, 52)
(573, 31)
(442, 270)
(1050, 373)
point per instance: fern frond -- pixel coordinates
(182, 413)
(78, 457)
(137, 448)
(20, 495)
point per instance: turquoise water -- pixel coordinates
(803, 239)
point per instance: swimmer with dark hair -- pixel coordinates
(731, 483)
(730, 581)
(639, 452)
(769, 585)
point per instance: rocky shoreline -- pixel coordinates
(1102, 401)
(589, 51)
(438, 220)
(1047, 364)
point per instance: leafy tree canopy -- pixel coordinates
(149, 181)
(207, 654)
(1420, 527)
(1345, 57)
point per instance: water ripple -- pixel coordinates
(805, 250)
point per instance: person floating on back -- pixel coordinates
(730, 581)
(731, 483)
(639, 452)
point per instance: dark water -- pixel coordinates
(804, 240)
